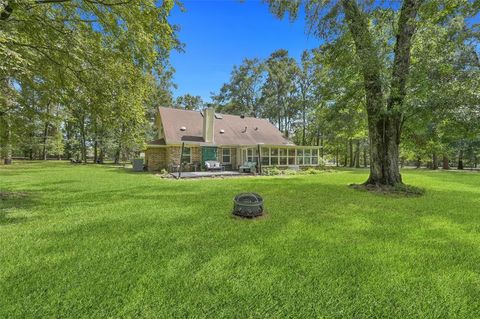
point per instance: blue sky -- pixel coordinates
(219, 34)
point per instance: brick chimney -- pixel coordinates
(208, 124)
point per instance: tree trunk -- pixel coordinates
(95, 152)
(445, 161)
(321, 148)
(357, 155)
(345, 163)
(6, 146)
(418, 163)
(384, 153)
(351, 154)
(84, 140)
(45, 133)
(304, 124)
(384, 122)
(365, 157)
(434, 161)
(95, 143)
(460, 160)
(102, 156)
(117, 153)
(44, 150)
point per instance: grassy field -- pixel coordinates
(94, 242)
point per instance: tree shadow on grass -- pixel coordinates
(10, 202)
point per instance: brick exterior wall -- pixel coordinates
(163, 158)
(155, 158)
(173, 154)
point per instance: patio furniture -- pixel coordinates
(174, 167)
(195, 166)
(227, 167)
(213, 165)
(248, 167)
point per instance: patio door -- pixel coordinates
(209, 153)
(249, 154)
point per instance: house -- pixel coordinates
(230, 139)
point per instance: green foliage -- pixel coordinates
(242, 94)
(90, 68)
(275, 171)
(271, 171)
(189, 102)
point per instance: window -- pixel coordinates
(265, 151)
(226, 155)
(315, 157)
(291, 156)
(187, 155)
(286, 156)
(283, 156)
(252, 155)
(307, 156)
(299, 157)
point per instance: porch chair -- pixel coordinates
(248, 167)
(213, 165)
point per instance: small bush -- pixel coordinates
(164, 173)
(289, 172)
(312, 171)
(272, 171)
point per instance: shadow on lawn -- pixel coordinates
(11, 201)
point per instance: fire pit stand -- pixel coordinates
(248, 205)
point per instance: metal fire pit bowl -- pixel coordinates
(248, 205)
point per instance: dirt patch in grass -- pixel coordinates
(12, 195)
(400, 190)
(265, 215)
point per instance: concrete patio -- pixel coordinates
(207, 174)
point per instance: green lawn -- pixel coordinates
(94, 242)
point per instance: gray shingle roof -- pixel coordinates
(236, 130)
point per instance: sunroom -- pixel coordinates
(275, 155)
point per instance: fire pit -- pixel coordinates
(248, 205)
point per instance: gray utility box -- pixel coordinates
(137, 165)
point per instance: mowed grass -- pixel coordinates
(96, 242)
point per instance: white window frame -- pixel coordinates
(229, 155)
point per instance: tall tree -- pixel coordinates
(189, 102)
(242, 94)
(279, 89)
